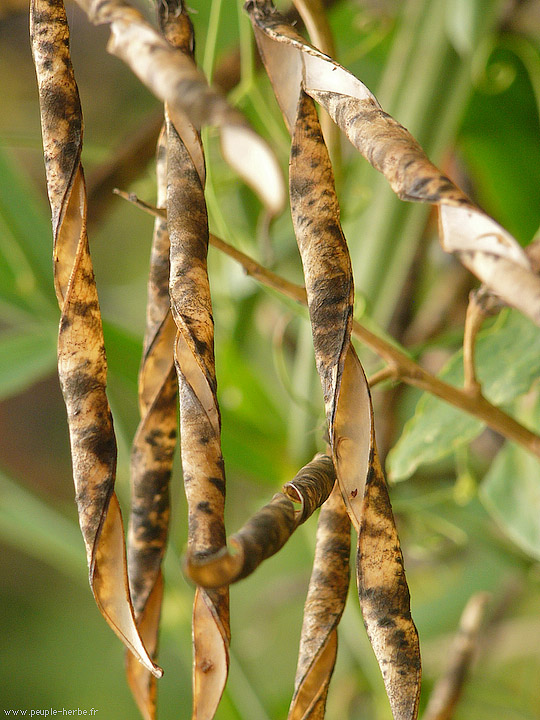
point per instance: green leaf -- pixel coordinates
(503, 164)
(31, 525)
(124, 351)
(26, 357)
(507, 361)
(465, 23)
(25, 243)
(511, 494)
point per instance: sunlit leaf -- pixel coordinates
(26, 357)
(511, 493)
(81, 356)
(24, 264)
(507, 360)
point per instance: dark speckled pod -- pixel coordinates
(174, 78)
(325, 602)
(268, 530)
(81, 353)
(481, 244)
(329, 287)
(152, 452)
(200, 423)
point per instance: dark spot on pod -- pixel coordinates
(385, 603)
(386, 621)
(201, 346)
(371, 476)
(65, 324)
(217, 534)
(404, 657)
(153, 438)
(84, 309)
(337, 548)
(204, 506)
(379, 501)
(80, 384)
(370, 529)
(99, 441)
(218, 483)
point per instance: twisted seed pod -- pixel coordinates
(325, 602)
(295, 68)
(152, 453)
(268, 530)
(481, 244)
(200, 423)
(82, 364)
(174, 78)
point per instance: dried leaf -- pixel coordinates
(152, 452)
(268, 530)
(173, 77)
(81, 354)
(324, 606)
(200, 424)
(480, 243)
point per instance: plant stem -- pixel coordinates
(403, 367)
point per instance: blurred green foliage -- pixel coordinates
(464, 77)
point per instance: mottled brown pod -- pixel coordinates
(200, 423)
(152, 452)
(268, 530)
(174, 78)
(82, 365)
(481, 244)
(325, 602)
(329, 287)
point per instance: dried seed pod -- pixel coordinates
(82, 365)
(349, 412)
(481, 244)
(325, 602)
(174, 78)
(311, 485)
(294, 66)
(200, 423)
(268, 530)
(152, 452)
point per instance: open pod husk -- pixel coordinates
(480, 243)
(82, 364)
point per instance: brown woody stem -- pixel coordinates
(402, 366)
(473, 322)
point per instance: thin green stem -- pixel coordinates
(247, 64)
(211, 39)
